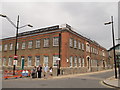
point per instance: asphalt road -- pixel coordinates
(83, 81)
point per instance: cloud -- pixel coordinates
(85, 17)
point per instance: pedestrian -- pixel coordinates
(45, 71)
(51, 71)
(34, 72)
(39, 70)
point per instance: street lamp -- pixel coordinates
(17, 27)
(118, 39)
(113, 44)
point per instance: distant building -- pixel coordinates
(76, 53)
(117, 53)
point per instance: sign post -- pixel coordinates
(14, 63)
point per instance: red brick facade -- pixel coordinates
(95, 54)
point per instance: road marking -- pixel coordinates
(101, 82)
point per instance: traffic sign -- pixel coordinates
(14, 62)
(15, 57)
(58, 59)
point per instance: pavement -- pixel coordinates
(113, 82)
(72, 75)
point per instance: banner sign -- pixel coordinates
(39, 30)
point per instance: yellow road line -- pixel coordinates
(101, 82)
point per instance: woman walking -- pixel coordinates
(34, 72)
(50, 71)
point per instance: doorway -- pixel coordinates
(22, 62)
(88, 62)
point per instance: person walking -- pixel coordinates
(39, 70)
(34, 72)
(45, 71)
(50, 71)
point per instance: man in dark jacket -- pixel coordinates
(39, 70)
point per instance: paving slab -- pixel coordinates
(113, 82)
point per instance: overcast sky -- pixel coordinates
(86, 17)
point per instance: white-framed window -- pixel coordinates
(10, 61)
(103, 53)
(29, 60)
(71, 42)
(56, 41)
(4, 61)
(94, 51)
(17, 45)
(79, 62)
(75, 61)
(5, 47)
(46, 42)
(75, 44)
(46, 60)
(79, 46)
(87, 47)
(83, 62)
(55, 58)
(90, 49)
(71, 61)
(0, 61)
(0, 47)
(37, 60)
(97, 51)
(23, 45)
(11, 46)
(30, 43)
(82, 46)
(94, 63)
(38, 43)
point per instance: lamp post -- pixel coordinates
(113, 44)
(17, 28)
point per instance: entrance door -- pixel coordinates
(88, 61)
(22, 62)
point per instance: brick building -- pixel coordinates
(77, 53)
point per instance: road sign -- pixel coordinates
(15, 57)
(14, 62)
(58, 59)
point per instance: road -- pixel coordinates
(81, 81)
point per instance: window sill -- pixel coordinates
(55, 45)
(22, 49)
(37, 48)
(45, 47)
